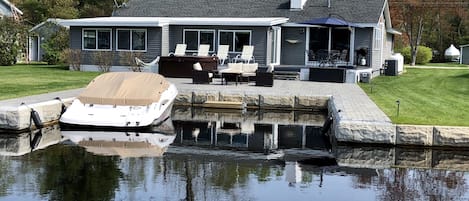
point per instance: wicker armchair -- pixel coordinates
(265, 79)
(200, 76)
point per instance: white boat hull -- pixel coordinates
(120, 116)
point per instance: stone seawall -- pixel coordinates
(346, 127)
(386, 157)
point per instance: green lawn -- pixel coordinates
(24, 80)
(427, 96)
(448, 64)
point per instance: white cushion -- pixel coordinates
(235, 67)
(210, 75)
(250, 68)
(197, 66)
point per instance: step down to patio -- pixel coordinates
(224, 104)
(286, 75)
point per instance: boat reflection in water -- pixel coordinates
(27, 142)
(142, 143)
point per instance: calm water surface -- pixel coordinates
(218, 155)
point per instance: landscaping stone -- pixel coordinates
(277, 102)
(451, 136)
(311, 102)
(364, 132)
(414, 135)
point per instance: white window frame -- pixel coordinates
(232, 47)
(96, 44)
(198, 38)
(130, 40)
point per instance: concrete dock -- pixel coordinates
(355, 117)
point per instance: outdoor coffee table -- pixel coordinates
(230, 76)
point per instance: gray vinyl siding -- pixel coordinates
(153, 44)
(293, 54)
(388, 46)
(376, 59)
(465, 55)
(363, 39)
(258, 39)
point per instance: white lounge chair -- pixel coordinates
(180, 50)
(222, 53)
(203, 50)
(152, 66)
(246, 55)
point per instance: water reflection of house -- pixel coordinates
(249, 130)
(292, 172)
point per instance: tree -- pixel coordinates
(12, 40)
(412, 16)
(432, 23)
(57, 43)
(37, 11)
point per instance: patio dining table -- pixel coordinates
(225, 76)
(326, 58)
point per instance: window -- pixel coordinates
(97, 39)
(193, 38)
(236, 39)
(132, 39)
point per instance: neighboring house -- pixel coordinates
(464, 54)
(39, 34)
(9, 10)
(274, 27)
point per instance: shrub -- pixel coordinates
(11, 35)
(72, 57)
(54, 46)
(424, 55)
(103, 59)
(128, 59)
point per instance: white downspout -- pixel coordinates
(307, 47)
(460, 58)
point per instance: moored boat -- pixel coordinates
(123, 100)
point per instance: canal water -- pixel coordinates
(203, 154)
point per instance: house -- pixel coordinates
(274, 27)
(464, 54)
(9, 10)
(39, 34)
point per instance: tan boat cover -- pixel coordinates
(123, 149)
(124, 88)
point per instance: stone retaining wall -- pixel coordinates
(343, 129)
(385, 157)
(19, 118)
(255, 100)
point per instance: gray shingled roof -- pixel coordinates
(358, 11)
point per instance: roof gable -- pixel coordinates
(6, 8)
(357, 11)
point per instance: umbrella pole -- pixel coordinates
(329, 45)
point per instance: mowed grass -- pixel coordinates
(25, 80)
(448, 64)
(427, 96)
